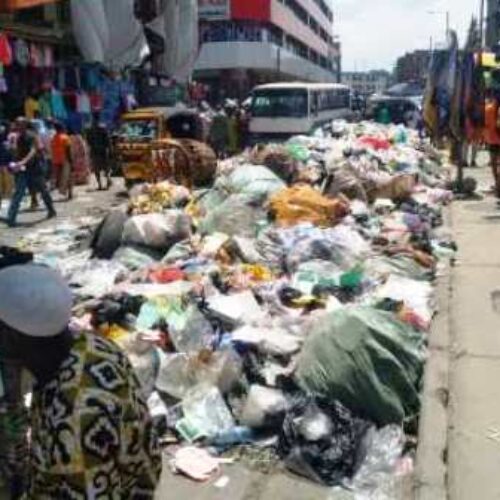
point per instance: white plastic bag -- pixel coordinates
(159, 231)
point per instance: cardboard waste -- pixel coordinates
(291, 300)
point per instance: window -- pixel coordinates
(271, 103)
(139, 129)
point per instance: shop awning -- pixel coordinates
(10, 5)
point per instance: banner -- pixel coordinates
(214, 9)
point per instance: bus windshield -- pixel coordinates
(272, 103)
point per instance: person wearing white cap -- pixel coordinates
(91, 435)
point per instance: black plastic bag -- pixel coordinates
(10, 256)
(322, 440)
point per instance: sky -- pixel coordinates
(374, 33)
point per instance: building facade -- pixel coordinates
(493, 23)
(245, 43)
(413, 66)
(367, 82)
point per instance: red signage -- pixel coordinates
(253, 10)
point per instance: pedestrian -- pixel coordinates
(61, 161)
(6, 158)
(219, 132)
(12, 146)
(28, 172)
(91, 433)
(80, 159)
(99, 142)
(233, 132)
(492, 137)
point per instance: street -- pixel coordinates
(288, 290)
(461, 411)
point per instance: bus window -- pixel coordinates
(315, 102)
(269, 103)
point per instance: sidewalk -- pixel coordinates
(474, 436)
(459, 455)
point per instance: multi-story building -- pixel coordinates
(245, 43)
(413, 66)
(493, 24)
(367, 82)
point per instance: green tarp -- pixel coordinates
(366, 359)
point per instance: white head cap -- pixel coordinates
(34, 300)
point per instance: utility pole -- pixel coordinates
(481, 24)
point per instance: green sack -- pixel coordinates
(368, 360)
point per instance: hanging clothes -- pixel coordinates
(96, 102)
(3, 82)
(5, 50)
(83, 103)
(36, 56)
(57, 104)
(48, 56)
(22, 52)
(44, 105)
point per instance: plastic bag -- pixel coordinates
(264, 407)
(366, 359)
(272, 341)
(205, 412)
(179, 373)
(298, 152)
(108, 235)
(376, 477)
(189, 330)
(254, 180)
(239, 215)
(416, 295)
(304, 204)
(341, 245)
(96, 278)
(159, 231)
(236, 309)
(136, 257)
(321, 440)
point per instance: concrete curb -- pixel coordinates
(431, 472)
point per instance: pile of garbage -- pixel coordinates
(286, 307)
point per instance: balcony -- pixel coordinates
(259, 56)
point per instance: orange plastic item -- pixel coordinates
(298, 204)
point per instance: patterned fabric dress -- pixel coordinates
(13, 431)
(92, 437)
(80, 158)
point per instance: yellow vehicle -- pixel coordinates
(158, 143)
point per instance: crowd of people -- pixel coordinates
(40, 158)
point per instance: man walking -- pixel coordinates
(28, 172)
(100, 151)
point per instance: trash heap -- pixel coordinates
(285, 308)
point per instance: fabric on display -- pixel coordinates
(6, 55)
(21, 52)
